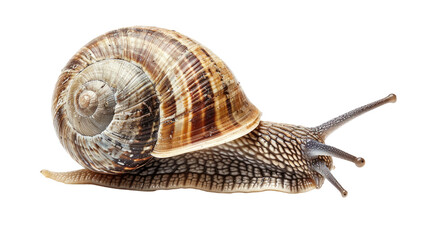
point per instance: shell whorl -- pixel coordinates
(139, 92)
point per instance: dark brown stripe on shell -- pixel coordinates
(225, 89)
(202, 98)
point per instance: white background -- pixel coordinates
(300, 62)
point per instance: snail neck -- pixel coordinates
(278, 144)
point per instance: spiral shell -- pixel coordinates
(143, 92)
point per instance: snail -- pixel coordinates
(145, 108)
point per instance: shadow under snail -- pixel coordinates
(146, 108)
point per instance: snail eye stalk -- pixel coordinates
(328, 127)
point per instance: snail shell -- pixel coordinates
(143, 92)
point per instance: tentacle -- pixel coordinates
(328, 127)
(322, 169)
(314, 148)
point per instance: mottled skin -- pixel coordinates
(268, 158)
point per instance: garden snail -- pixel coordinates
(145, 108)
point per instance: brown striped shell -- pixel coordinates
(142, 92)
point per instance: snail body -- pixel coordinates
(145, 108)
